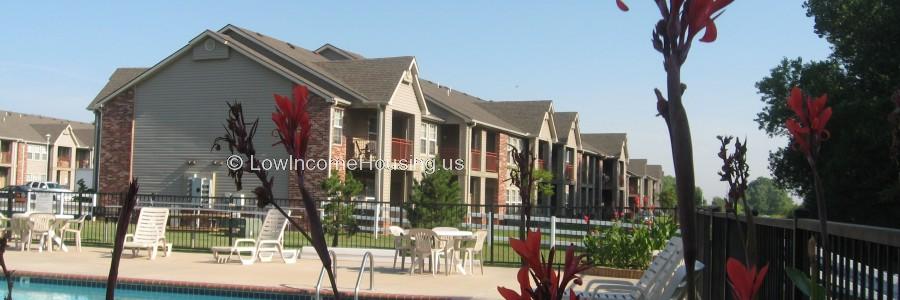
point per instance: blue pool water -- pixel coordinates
(93, 291)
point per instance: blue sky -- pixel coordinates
(587, 56)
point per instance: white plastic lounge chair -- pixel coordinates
(150, 232)
(658, 279)
(269, 241)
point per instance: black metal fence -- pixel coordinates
(865, 259)
(197, 224)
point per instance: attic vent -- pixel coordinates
(407, 77)
(289, 45)
(449, 90)
(209, 45)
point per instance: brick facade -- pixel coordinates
(320, 120)
(21, 163)
(117, 131)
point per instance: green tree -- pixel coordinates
(855, 163)
(718, 202)
(767, 198)
(436, 201)
(544, 181)
(339, 210)
(667, 196)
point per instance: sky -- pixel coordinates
(586, 56)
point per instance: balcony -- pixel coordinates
(362, 149)
(449, 153)
(476, 160)
(5, 157)
(492, 162)
(541, 165)
(63, 162)
(401, 149)
(570, 172)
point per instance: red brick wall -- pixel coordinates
(320, 119)
(117, 132)
(21, 163)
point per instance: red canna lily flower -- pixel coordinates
(548, 282)
(808, 125)
(744, 282)
(696, 16)
(292, 121)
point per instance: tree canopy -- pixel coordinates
(767, 198)
(668, 198)
(855, 163)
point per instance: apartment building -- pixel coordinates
(38, 148)
(158, 124)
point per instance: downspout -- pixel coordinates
(98, 125)
(379, 175)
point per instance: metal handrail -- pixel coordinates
(322, 274)
(362, 268)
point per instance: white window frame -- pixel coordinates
(428, 139)
(37, 152)
(337, 127)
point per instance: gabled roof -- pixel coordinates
(638, 167)
(376, 79)
(340, 51)
(463, 105)
(527, 116)
(564, 122)
(655, 171)
(610, 144)
(35, 128)
(119, 78)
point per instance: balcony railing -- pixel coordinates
(570, 172)
(401, 149)
(64, 162)
(476, 160)
(541, 165)
(492, 162)
(5, 157)
(449, 153)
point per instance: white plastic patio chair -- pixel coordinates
(150, 232)
(74, 227)
(475, 249)
(656, 280)
(42, 225)
(402, 246)
(424, 246)
(269, 241)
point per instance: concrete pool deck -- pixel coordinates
(201, 268)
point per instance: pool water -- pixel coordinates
(94, 291)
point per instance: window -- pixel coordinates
(518, 144)
(428, 139)
(337, 131)
(36, 179)
(513, 197)
(37, 152)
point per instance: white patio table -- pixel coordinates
(20, 223)
(453, 239)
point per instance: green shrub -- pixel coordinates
(436, 201)
(628, 248)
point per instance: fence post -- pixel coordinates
(231, 228)
(552, 231)
(377, 220)
(491, 232)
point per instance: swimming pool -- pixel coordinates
(64, 289)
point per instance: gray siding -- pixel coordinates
(210, 49)
(181, 109)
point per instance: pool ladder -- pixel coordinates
(367, 257)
